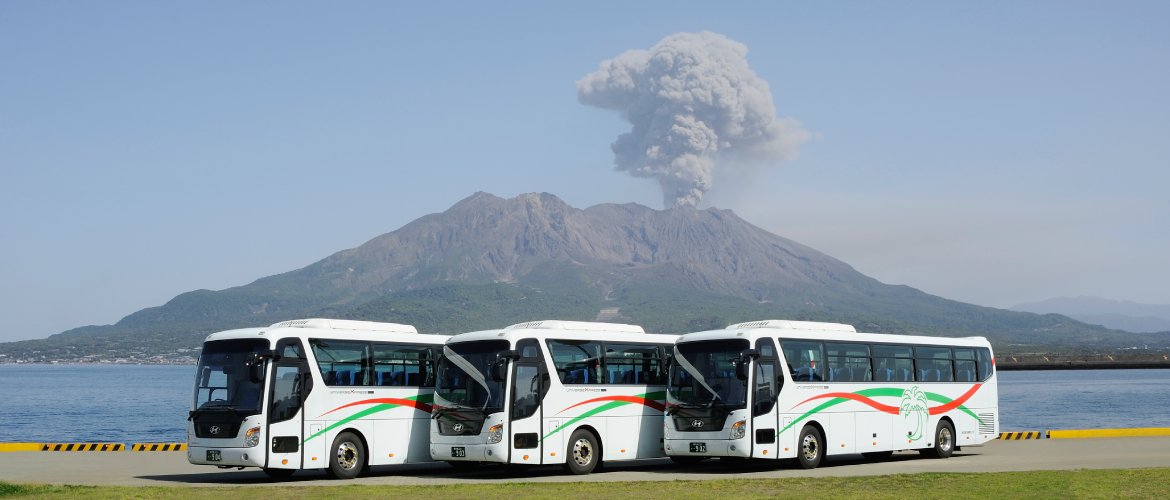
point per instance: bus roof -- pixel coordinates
(345, 324)
(584, 330)
(794, 325)
(350, 329)
(556, 324)
(822, 331)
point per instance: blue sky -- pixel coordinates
(989, 152)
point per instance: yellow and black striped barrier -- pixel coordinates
(159, 447)
(1014, 436)
(1109, 433)
(83, 447)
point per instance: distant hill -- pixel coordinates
(1116, 314)
(488, 262)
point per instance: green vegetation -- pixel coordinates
(1129, 483)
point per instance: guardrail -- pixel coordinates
(1005, 436)
(1085, 433)
(86, 447)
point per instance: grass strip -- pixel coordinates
(1126, 483)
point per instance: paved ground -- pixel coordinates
(172, 469)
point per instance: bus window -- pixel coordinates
(577, 361)
(893, 363)
(986, 365)
(632, 363)
(805, 359)
(934, 364)
(342, 362)
(964, 364)
(402, 365)
(848, 362)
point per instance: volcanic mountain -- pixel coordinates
(488, 262)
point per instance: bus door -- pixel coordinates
(766, 382)
(291, 383)
(530, 382)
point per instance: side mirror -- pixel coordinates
(741, 364)
(499, 367)
(256, 371)
(256, 365)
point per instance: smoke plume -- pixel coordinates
(696, 107)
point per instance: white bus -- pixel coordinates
(313, 394)
(804, 390)
(551, 392)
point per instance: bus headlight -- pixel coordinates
(738, 429)
(252, 437)
(495, 433)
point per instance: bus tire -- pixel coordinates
(944, 441)
(810, 449)
(278, 473)
(583, 454)
(347, 457)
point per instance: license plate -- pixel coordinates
(458, 452)
(698, 447)
(213, 456)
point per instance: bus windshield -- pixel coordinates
(702, 374)
(222, 380)
(464, 378)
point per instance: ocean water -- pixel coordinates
(132, 404)
(95, 403)
(1083, 399)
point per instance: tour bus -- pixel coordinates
(313, 394)
(791, 389)
(550, 392)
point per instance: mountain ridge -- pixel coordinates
(1118, 314)
(488, 261)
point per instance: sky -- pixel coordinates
(993, 152)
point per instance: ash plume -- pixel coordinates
(695, 107)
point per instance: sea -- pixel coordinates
(148, 404)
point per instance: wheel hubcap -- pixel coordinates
(810, 448)
(347, 456)
(582, 452)
(944, 439)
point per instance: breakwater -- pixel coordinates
(1009, 362)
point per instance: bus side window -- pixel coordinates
(805, 359)
(986, 366)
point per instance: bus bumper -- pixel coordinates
(463, 452)
(707, 448)
(227, 457)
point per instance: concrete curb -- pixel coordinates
(82, 447)
(1109, 433)
(159, 447)
(1015, 436)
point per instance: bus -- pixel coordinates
(550, 392)
(315, 393)
(791, 389)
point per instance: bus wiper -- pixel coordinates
(437, 413)
(673, 408)
(715, 400)
(193, 414)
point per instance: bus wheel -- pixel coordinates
(810, 451)
(278, 473)
(582, 453)
(944, 441)
(348, 457)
